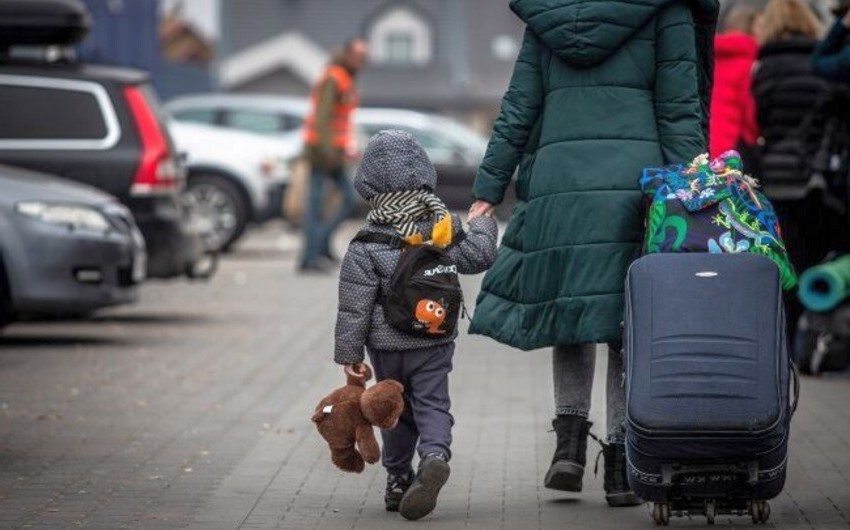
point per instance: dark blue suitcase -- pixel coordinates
(707, 384)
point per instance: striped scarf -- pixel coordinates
(402, 209)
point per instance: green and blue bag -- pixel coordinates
(712, 206)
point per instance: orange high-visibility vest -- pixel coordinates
(343, 107)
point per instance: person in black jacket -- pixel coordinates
(789, 105)
(832, 55)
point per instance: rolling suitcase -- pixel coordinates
(707, 384)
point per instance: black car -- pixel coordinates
(94, 124)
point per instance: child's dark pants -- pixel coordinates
(426, 418)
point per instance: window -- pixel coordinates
(401, 37)
(48, 113)
(292, 122)
(399, 48)
(206, 116)
(41, 113)
(254, 121)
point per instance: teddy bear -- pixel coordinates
(345, 417)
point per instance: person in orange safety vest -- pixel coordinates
(329, 139)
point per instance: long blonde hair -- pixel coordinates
(741, 18)
(782, 19)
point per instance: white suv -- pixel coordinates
(234, 178)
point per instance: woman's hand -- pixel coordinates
(478, 209)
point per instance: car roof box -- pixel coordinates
(43, 22)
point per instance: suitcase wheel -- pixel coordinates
(661, 513)
(760, 510)
(710, 511)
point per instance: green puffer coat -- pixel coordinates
(601, 90)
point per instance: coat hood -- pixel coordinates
(394, 161)
(586, 32)
(734, 45)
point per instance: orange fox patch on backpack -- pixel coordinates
(431, 314)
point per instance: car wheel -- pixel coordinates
(218, 210)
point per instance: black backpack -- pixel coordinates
(424, 298)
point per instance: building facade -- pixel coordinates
(449, 56)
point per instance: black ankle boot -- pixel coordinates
(567, 467)
(617, 490)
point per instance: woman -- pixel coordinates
(832, 56)
(733, 115)
(601, 90)
(789, 97)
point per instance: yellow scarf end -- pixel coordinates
(415, 239)
(441, 236)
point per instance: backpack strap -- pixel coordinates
(365, 236)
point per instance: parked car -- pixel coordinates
(269, 115)
(455, 149)
(64, 247)
(97, 125)
(233, 179)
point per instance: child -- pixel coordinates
(397, 179)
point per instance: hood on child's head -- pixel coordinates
(394, 161)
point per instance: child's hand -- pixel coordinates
(357, 371)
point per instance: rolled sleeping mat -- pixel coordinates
(825, 286)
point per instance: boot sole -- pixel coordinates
(564, 476)
(622, 499)
(421, 497)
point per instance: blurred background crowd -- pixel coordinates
(192, 127)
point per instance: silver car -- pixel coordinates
(65, 248)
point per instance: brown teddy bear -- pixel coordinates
(346, 416)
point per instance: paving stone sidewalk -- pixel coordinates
(191, 409)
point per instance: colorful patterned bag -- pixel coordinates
(712, 206)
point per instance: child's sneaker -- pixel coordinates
(397, 485)
(421, 496)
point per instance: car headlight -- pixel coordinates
(73, 215)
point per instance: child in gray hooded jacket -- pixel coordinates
(397, 179)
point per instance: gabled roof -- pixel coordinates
(290, 50)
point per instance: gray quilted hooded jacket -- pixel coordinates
(394, 161)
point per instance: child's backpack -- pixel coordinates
(424, 298)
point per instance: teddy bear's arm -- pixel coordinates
(366, 443)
